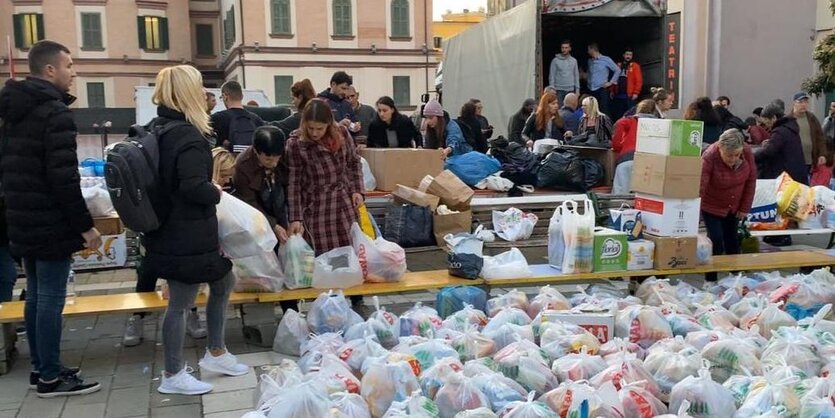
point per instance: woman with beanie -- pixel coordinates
(443, 133)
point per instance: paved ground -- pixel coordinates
(130, 376)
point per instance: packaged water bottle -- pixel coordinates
(71, 288)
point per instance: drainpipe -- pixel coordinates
(426, 45)
(243, 42)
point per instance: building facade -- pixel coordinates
(452, 24)
(497, 7)
(264, 44)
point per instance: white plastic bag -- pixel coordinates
(381, 260)
(513, 224)
(242, 229)
(495, 182)
(330, 312)
(707, 398)
(507, 265)
(527, 409)
(556, 241)
(348, 405)
(297, 258)
(291, 333)
(368, 180)
(259, 273)
(307, 399)
(384, 383)
(578, 235)
(337, 269)
(98, 200)
(704, 249)
(459, 394)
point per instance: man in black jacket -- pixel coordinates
(47, 218)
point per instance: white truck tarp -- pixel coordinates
(484, 56)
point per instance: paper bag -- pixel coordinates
(451, 190)
(408, 195)
(451, 224)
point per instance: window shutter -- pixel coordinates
(140, 24)
(41, 29)
(17, 21)
(163, 33)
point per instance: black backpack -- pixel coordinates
(241, 130)
(131, 173)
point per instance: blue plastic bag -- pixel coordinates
(472, 167)
(452, 299)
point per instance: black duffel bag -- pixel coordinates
(409, 226)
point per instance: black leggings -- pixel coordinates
(722, 231)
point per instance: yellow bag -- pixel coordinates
(365, 222)
(794, 200)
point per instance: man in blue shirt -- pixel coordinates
(603, 72)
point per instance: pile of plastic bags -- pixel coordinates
(731, 349)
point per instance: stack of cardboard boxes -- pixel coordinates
(444, 190)
(665, 178)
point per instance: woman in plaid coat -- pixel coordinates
(325, 184)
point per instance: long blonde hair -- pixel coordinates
(594, 110)
(181, 88)
(222, 161)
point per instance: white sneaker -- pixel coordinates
(225, 364)
(183, 383)
(133, 331)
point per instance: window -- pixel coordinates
(153, 33)
(400, 18)
(281, 17)
(402, 90)
(28, 29)
(95, 95)
(205, 40)
(229, 29)
(282, 89)
(91, 31)
(342, 18)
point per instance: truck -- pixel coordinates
(505, 59)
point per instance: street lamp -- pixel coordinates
(102, 129)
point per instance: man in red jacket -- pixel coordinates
(630, 83)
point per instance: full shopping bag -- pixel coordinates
(337, 269)
(507, 265)
(98, 200)
(466, 256)
(513, 224)
(472, 167)
(578, 235)
(297, 257)
(763, 215)
(822, 197)
(451, 190)
(556, 242)
(626, 219)
(794, 199)
(409, 226)
(444, 224)
(260, 273)
(452, 299)
(380, 260)
(243, 230)
(292, 331)
(368, 180)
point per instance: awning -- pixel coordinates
(606, 8)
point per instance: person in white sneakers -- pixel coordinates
(185, 249)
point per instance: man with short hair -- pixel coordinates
(600, 66)
(568, 112)
(724, 101)
(235, 126)
(337, 97)
(564, 75)
(211, 102)
(364, 113)
(629, 85)
(810, 131)
(47, 218)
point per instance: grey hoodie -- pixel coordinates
(564, 74)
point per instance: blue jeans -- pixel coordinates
(8, 274)
(46, 292)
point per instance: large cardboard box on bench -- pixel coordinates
(451, 224)
(112, 253)
(454, 193)
(670, 137)
(403, 194)
(601, 324)
(667, 217)
(610, 249)
(668, 176)
(674, 252)
(393, 166)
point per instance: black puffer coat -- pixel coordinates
(782, 152)
(186, 247)
(45, 211)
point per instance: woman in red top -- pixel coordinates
(626, 131)
(325, 182)
(729, 177)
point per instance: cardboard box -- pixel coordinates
(667, 217)
(602, 155)
(403, 194)
(109, 225)
(668, 176)
(609, 250)
(674, 252)
(640, 255)
(451, 224)
(454, 193)
(112, 253)
(393, 166)
(670, 137)
(600, 323)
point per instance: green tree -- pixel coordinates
(824, 56)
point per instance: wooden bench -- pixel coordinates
(818, 231)
(428, 280)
